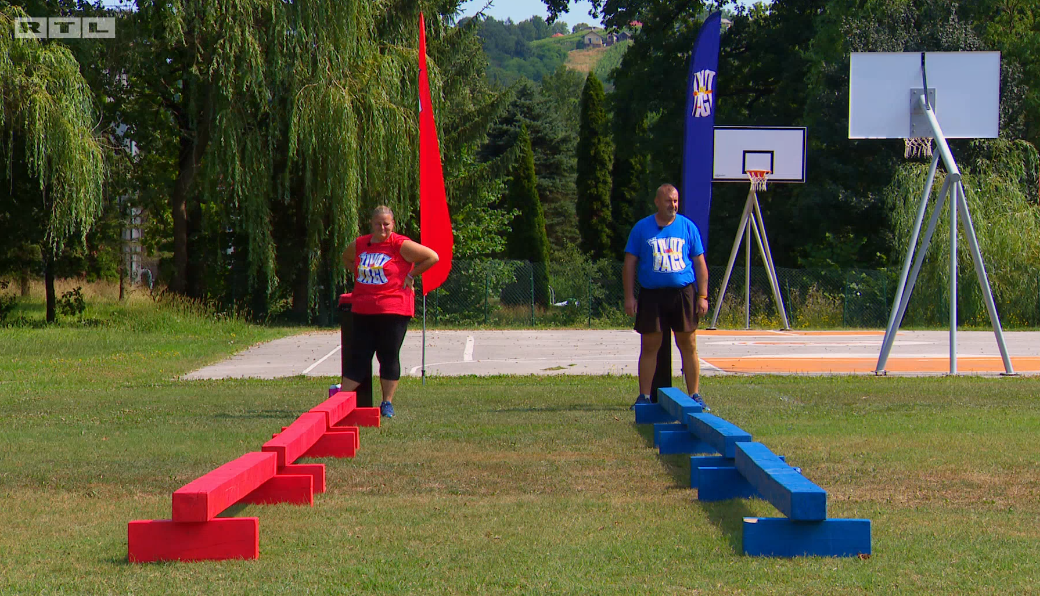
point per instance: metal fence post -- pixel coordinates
(486, 290)
(845, 301)
(532, 293)
(588, 293)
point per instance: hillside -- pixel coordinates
(601, 60)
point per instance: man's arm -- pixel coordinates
(701, 269)
(628, 281)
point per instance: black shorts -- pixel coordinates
(379, 335)
(663, 309)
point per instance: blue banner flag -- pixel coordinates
(699, 141)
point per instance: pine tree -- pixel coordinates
(629, 197)
(526, 240)
(594, 164)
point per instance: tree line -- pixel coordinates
(256, 134)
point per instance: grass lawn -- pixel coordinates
(498, 485)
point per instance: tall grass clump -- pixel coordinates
(1000, 182)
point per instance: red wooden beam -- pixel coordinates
(203, 498)
(293, 488)
(316, 471)
(362, 417)
(335, 444)
(348, 429)
(337, 407)
(297, 438)
(215, 540)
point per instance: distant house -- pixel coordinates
(623, 36)
(557, 34)
(593, 40)
(635, 24)
(726, 23)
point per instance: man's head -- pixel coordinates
(667, 201)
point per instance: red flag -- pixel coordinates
(434, 220)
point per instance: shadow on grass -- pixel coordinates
(728, 517)
(261, 414)
(564, 408)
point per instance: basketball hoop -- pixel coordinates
(917, 147)
(758, 178)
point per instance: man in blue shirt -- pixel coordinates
(666, 250)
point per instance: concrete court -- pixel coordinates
(598, 352)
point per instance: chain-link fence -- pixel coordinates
(496, 293)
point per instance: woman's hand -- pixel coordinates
(409, 282)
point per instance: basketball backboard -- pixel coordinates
(964, 91)
(778, 150)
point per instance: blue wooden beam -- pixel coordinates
(670, 442)
(677, 403)
(651, 413)
(791, 493)
(779, 537)
(710, 461)
(723, 483)
(660, 427)
(716, 432)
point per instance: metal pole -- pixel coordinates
(980, 272)
(732, 257)
(747, 278)
(424, 338)
(893, 324)
(767, 257)
(886, 345)
(953, 278)
(486, 292)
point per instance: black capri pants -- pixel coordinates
(381, 335)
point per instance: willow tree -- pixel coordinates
(54, 161)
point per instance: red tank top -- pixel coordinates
(379, 276)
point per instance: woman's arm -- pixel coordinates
(349, 255)
(422, 256)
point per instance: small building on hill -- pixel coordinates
(592, 40)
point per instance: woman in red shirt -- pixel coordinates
(385, 265)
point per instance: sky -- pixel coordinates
(521, 10)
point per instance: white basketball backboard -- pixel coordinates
(778, 150)
(966, 100)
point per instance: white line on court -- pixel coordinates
(323, 359)
(705, 365)
(467, 354)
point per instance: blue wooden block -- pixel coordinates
(779, 537)
(651, 413)
(660, 427)
(716, 432)
(706, 461)
(723, 483)
(670, 442)
(710, 461)
(791, 493)
(677, 403)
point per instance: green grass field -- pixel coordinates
(497, 485)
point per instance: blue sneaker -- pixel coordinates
(641, 400)
(386, 409)
(700, 401)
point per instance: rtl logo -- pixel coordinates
(65, 27)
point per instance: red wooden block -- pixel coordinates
(316, 471)
(297, 438)
(362, 417)
(215, 540)
(294, 488)
(203, 498)
(337, 407)
(349, 429)
(334, 444)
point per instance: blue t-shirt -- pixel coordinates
(665, 254)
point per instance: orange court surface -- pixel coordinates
(594, 352)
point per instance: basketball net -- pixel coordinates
(758, 179)
(918, 147)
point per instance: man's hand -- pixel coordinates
(630, 306)
(702, 306)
